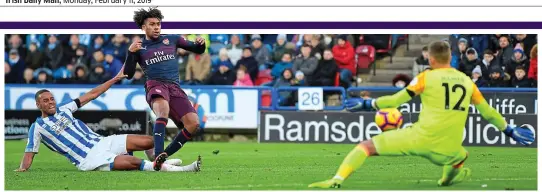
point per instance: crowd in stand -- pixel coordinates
(239, 60)
(492, 60)
(261, 60)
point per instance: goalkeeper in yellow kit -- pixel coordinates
(438, 135)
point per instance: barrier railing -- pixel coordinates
(135, 90)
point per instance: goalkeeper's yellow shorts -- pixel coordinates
(403, 142)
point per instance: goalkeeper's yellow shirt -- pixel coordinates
(446, 94)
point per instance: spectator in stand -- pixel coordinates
(519, 79)
(344, 55)
(243, 78)
(44, 76)
(98, 57)
(223, 59)
(54, 54)
(525, 41)
(453, 39)
(112, 64)
(498, 78)
(118, 46)
(17, 65)
(81, 74)
(305, 63)
(260, 52)
(249, 62)
(16, 42)
(326, 71)
(494, 42)
(505, 52)
(477, 77)
(285, 63)
(98, 74)
(470, 62)
(75, 52)
(460, 55)
(401, 81)
(489, 63)
(224, 76)
(299, 79)
(34, 57)
(279, 48)
(518, 59)
(235, 49)
(286, 80)
(198, 68)
(317, 46)
(533, 66)
(38, 40)
(98, 45)
(28, 76)
(421, 63)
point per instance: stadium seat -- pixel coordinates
(266, 99)
(264, 77)
(366, 57)
(214, 48)
(386, 51)
(219, 38)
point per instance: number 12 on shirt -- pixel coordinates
(310, 99)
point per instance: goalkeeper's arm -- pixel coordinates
(393, 101)
(521, 135)
(491, 115)
(488, 113)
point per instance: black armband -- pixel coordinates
(77, 102)
(411, 93)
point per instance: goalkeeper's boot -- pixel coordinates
(459, 177)
(159, 160)
(331, 183)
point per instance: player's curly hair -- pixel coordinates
(141, 15)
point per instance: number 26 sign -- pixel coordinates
(310, 99)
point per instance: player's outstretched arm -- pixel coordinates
(197, 47)
(132, 58)
(415, 87)
(26, 162)
(32, 147)
(522, 135)
(97, 91)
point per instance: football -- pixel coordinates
(388, 119)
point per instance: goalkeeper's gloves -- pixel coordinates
(358, 104)
(521, 134)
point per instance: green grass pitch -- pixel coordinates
(241, 166)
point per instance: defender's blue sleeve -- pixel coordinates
(34, 139)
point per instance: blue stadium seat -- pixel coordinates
(214, 48)
(219, 38)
